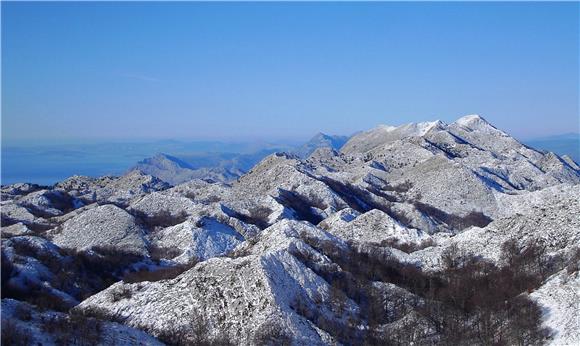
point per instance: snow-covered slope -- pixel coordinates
(238, 296)
(303, 249)
(104, 226)
(559, 298)
(554, 226)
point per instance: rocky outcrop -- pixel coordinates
(107, 226)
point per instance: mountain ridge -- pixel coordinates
(340, 247)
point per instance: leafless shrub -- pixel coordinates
(473, 218)
(159, 274)
(316, 201)
(157, 252)
(189, 194)
(406, 246)
(403, 187)
(574, 263)
(452, 257)
(300, 204)
(260, 213)
(73, 329)
(162, 218)
(471, 301)
(83, 273)
(196, 332)
(7, 270)
(22, 312)
(121, 292)
(302, 308)
(44, 299)
(212, 199)
(12, 334)
(256, 215)
(95, 312)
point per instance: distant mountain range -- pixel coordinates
(184, 160)
(224, 167)
(320, 140)
(209, 166)
(177, 169)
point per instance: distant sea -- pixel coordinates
(566, 144)
(49, 164)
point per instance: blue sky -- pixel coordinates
(283, 70)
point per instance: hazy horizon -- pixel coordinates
(295, 140)
(47, 164)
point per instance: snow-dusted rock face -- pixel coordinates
(14, 213)
(157, 203)
(111, 189)
(16, 230)
(105, 226)
(329, 247)
(498, 159)
(374, 226)
(213, 238)
(28, 270)
(201, 240)
(278, 171)
(383, 134)
(18, 189)
(555, 226)
(49, 203)
(238, 296)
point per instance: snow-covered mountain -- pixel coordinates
(320, 140)
(426, 233)
(224, 167)
(176, 171)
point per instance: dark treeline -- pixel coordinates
(470, 302)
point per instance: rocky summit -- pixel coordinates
(420, 234)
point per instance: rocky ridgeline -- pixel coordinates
(420, 233)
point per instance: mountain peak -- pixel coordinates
(320, 140)
(411, 129)
(472, 121)
(476, 123)
(165, 160)
(321, 136)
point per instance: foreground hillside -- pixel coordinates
(428, 233)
